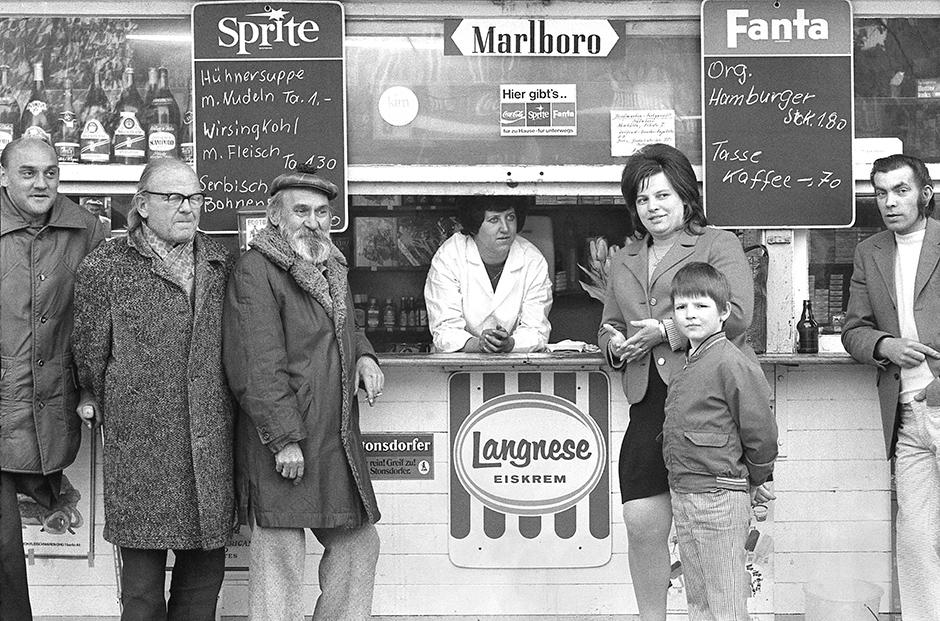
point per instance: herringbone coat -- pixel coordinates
(154, 361)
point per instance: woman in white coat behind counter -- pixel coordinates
(488, 289)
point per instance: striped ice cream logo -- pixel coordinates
(546, 506)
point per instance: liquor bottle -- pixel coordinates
(96, 115)
(162, 121)
(807, 330)
(187, 145)
(422, 314)
(359, 306)
(130, 139)
(403, 312)
(37, 118)
(151, 88)
(373, 316)
(67, 138)
(412, 317)
(9, 110)
(388, 315)
(164, 92)
(130, 100)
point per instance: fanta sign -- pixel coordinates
(529, 454)
(264, 30)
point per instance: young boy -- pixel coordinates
(719, 444)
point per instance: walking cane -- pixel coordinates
(118, 564)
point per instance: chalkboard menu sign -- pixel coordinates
(269, 95)
(777, 113)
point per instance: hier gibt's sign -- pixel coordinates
(269, 86)
(531, 470)
(579, 38)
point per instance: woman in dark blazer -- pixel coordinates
(640, 339)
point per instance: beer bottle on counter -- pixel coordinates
(187, 146)
(96, 116)
(807, 330)
(36, 120)
(9, 110)
(130, 139)
(162, 121)
(67, 139)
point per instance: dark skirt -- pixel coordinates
(642, 469)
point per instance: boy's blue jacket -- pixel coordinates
(720, 431)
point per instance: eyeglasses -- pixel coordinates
(175, 200)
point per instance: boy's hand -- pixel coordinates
(761, 494)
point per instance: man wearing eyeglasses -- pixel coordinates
(43, 238)
(148, 312)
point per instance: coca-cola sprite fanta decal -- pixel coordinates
(529, 469)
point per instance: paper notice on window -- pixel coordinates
(631, 129)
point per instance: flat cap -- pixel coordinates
(304, 177)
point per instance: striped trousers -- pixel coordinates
(712, 528)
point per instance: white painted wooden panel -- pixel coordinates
(819, 475)
(436, 569)
(806, 566)
(841, 444)
(834, 382)
(832, 506)
(832, 536)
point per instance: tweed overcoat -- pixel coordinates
(873, 313)
(632, 295)
(40, 431)
(153, 359)
(290, 351)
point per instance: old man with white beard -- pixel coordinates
(295, 362)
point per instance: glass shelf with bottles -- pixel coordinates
(113, 125)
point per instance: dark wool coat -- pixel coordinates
(40, 430)
(290, 349)
(155, 365)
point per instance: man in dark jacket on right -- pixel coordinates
(294, 362)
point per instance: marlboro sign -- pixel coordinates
(583, 38)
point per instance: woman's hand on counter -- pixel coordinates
(495, 340)
(491, 341)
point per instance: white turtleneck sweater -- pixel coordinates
(913, 380)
